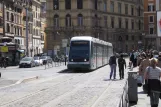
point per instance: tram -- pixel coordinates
(88, 53)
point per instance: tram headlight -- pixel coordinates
(72, 60)
(85, 60)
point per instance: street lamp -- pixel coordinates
(27, 4)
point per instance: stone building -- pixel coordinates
(117, 21)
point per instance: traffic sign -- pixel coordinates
(4, 49)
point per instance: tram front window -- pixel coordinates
(79, 51)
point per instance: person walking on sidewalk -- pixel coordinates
(113, 64)
(121, 64)
(152, 75)
(143, 65)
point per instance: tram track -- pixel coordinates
(85, 82)
(42, 90)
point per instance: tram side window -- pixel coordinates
(92, 48)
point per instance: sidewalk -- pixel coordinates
(143, 100)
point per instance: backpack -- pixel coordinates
(112, 60)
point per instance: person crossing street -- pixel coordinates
(121, 64)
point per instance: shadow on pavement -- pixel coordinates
(74, 71)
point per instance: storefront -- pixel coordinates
(12, 52)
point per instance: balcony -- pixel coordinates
(7, 1)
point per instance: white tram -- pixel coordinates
(88, 53)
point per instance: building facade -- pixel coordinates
(43, 24)
(119, 22)
(37, 47)
(14, 22)
(150, 24)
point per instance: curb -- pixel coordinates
(21, 81)
(27, 80)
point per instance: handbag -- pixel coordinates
(145, 88)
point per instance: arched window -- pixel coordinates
(56, 20)
(68, 20)
(15, 40)
(18, 41)
(80, 20)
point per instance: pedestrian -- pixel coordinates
(113, 64)
(152, 75)
(121, 64)
(132, 59)
(159, 60)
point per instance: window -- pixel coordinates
(105, 5)
(105, 21)
(151, 19)
(119, 20)
(112, 6)
(132, 10)
(127, 37)
(112, 22)
(67, 4)
(126, 8)
(132, 24)
(151, 30)
(126, 24)
(139, 25)
(8, 27)
(140, 38)
(151, 7)
(1, 7)
(95, 2)
(132, 37)
(56, 4)
(79, 4)
(56, 21)
(80, 20)
(119, 7)
(96, 20)
(8, 16)
(139, 11)
(68, 20)
(1, 22)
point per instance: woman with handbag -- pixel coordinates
(152, 75)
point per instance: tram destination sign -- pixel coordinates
(80, 42)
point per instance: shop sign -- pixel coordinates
(4, 49)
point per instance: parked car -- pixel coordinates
(27, 62)
(38, 61)
(46, 59)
